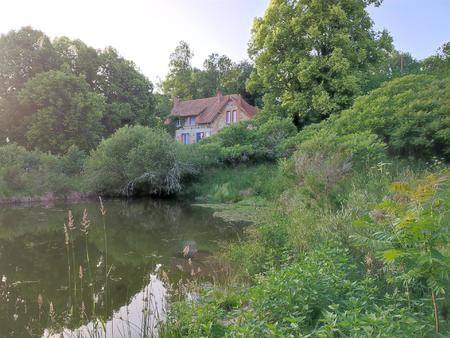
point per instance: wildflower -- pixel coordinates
(4, 279)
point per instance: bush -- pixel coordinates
(410, 114)
(32, 173)
(321, 295)
(139, 160)
(249, 141)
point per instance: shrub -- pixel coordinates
(139, 160)
(33, 173)
(411, 114)
(249, 141)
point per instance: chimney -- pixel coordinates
(219, 95)
(176, 100)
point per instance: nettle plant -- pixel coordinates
(413, 230)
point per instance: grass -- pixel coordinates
(301, 270)
(234, 184)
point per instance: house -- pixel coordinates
(196, 119)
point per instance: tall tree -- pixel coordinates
(23, 54)
(178, 82)
(219, 73)
(79, 59)
(60, 110)
(438, 64)
(313, 57)
(128, 93)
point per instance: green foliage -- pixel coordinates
(323, 294)
(219, 73)
(412, 231)
(29, 174)
(312, 58)
(223, 185)
(73, 161)
(61, 111)
(23, 54)
(124, 95)
(249, 141)
(410, 114)
(139, 160)
(438, 64)
(128, 93)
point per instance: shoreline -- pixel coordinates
(47, 199)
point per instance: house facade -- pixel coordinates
(196, 119)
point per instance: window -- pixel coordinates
(227, 118)
(193, 121)
(179, 122)
(200, 135)
(185, 138)
(234, 116)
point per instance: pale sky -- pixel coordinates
(147, 31)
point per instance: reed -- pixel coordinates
(107, 298)
(69, 274)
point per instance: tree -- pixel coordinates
(219, 73)
(313, 57)
(128, 93)
(438, 64)
(79, 59)
(395, 65)
(23, 54)
(60, 110)
(178, 82)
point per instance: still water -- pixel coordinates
(112, 273)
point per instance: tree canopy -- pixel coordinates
(59, 110)
(409, 113)
(312, 58)
(126, 94)
(219, 73)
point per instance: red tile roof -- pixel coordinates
(207, 109)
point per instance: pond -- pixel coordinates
(110, 272)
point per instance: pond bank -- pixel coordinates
(48, 198)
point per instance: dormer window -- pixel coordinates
(228, 117)
(193, 121)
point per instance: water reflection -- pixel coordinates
(106, 278)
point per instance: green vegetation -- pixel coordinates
(345, 253)
(410, 114)
(344, 171)
(139, 160)
(219, 73)
(312, 58)
(36, 77)
(29, 174)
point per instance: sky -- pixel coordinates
(147, 31)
